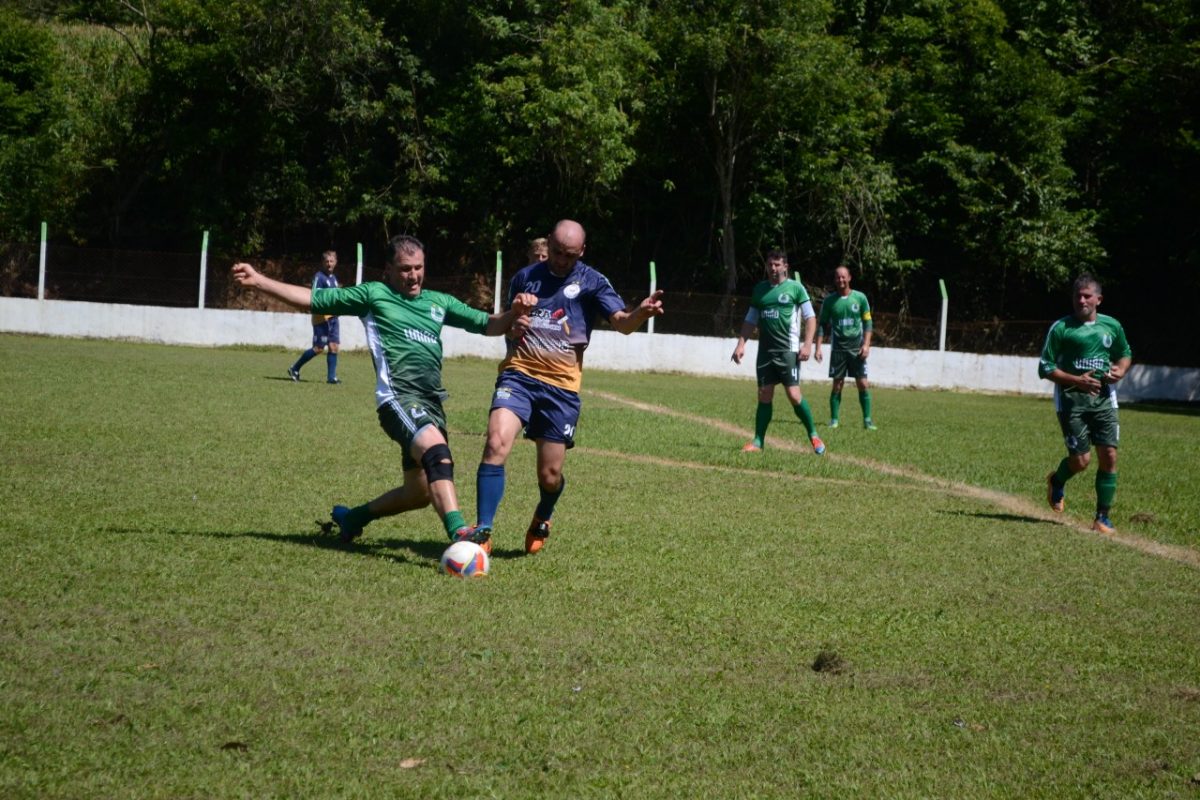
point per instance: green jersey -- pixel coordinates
(403, 334)
(844, 320)
(1082, 347)
(778, 312)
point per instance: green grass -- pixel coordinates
(173, 625)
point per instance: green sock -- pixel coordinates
(762, 418)
(1106, 490)
(1063, 473)
(835, 405)
(805, 414)
(864, 400)
(453, 521)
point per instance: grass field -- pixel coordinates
(172, 624)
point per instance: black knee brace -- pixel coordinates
(438, 463)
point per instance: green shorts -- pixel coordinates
(778, 368)
(404, 417)
(843, 363)
(1084, 426)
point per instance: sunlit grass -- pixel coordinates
(173, 624)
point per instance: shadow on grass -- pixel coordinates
(424, 552)
(999, 516)
(1163, 407)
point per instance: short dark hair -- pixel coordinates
(775, 252)
(1087, 279)
(402, 243)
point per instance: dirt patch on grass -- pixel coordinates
(1006, 502)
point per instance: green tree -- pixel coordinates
(536, 106)
(785, 118)
(37, 159)
(977, 140)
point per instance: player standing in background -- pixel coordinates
(326, 330)
(778, 306)
(403, 323)
(540, 376)
(539, 250)
(846, 319)
(1085, 355)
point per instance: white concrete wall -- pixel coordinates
(639, 352)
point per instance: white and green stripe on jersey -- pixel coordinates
(403, 334)
(777, 310)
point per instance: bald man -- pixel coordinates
(537, 390)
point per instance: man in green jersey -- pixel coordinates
(1085, 354)
(846, 320)
(778, 306)
(403, 323)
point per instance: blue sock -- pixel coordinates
(305, 357)
(546, 507)
(331, 366)
(489, 490)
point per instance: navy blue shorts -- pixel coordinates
(328, 332)
(546, 411)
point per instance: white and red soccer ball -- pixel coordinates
(465, 560)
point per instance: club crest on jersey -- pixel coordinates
(571, 291)
(437, 313)
(854, 307)
(784, 299)
(1107, 340)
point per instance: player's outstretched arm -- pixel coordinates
(627, 322)
(298, 296)
(500, 324)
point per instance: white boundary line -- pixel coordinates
(1007, 502)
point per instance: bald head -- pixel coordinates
(566, 246)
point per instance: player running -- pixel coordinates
(403, 322)
(540, 377)
(1085, 355)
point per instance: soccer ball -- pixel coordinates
(465, 560)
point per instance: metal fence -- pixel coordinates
(173, 279)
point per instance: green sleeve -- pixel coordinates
(1120, 348)
(461, 315)
(1049, 360)
(352, 300)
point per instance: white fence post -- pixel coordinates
(653, 286)
(42, 266)
(945, 305)
(499, 271)
(203, 268)
(358, 274)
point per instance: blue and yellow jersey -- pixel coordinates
(552, 349)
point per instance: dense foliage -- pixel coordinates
(1001, 145)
